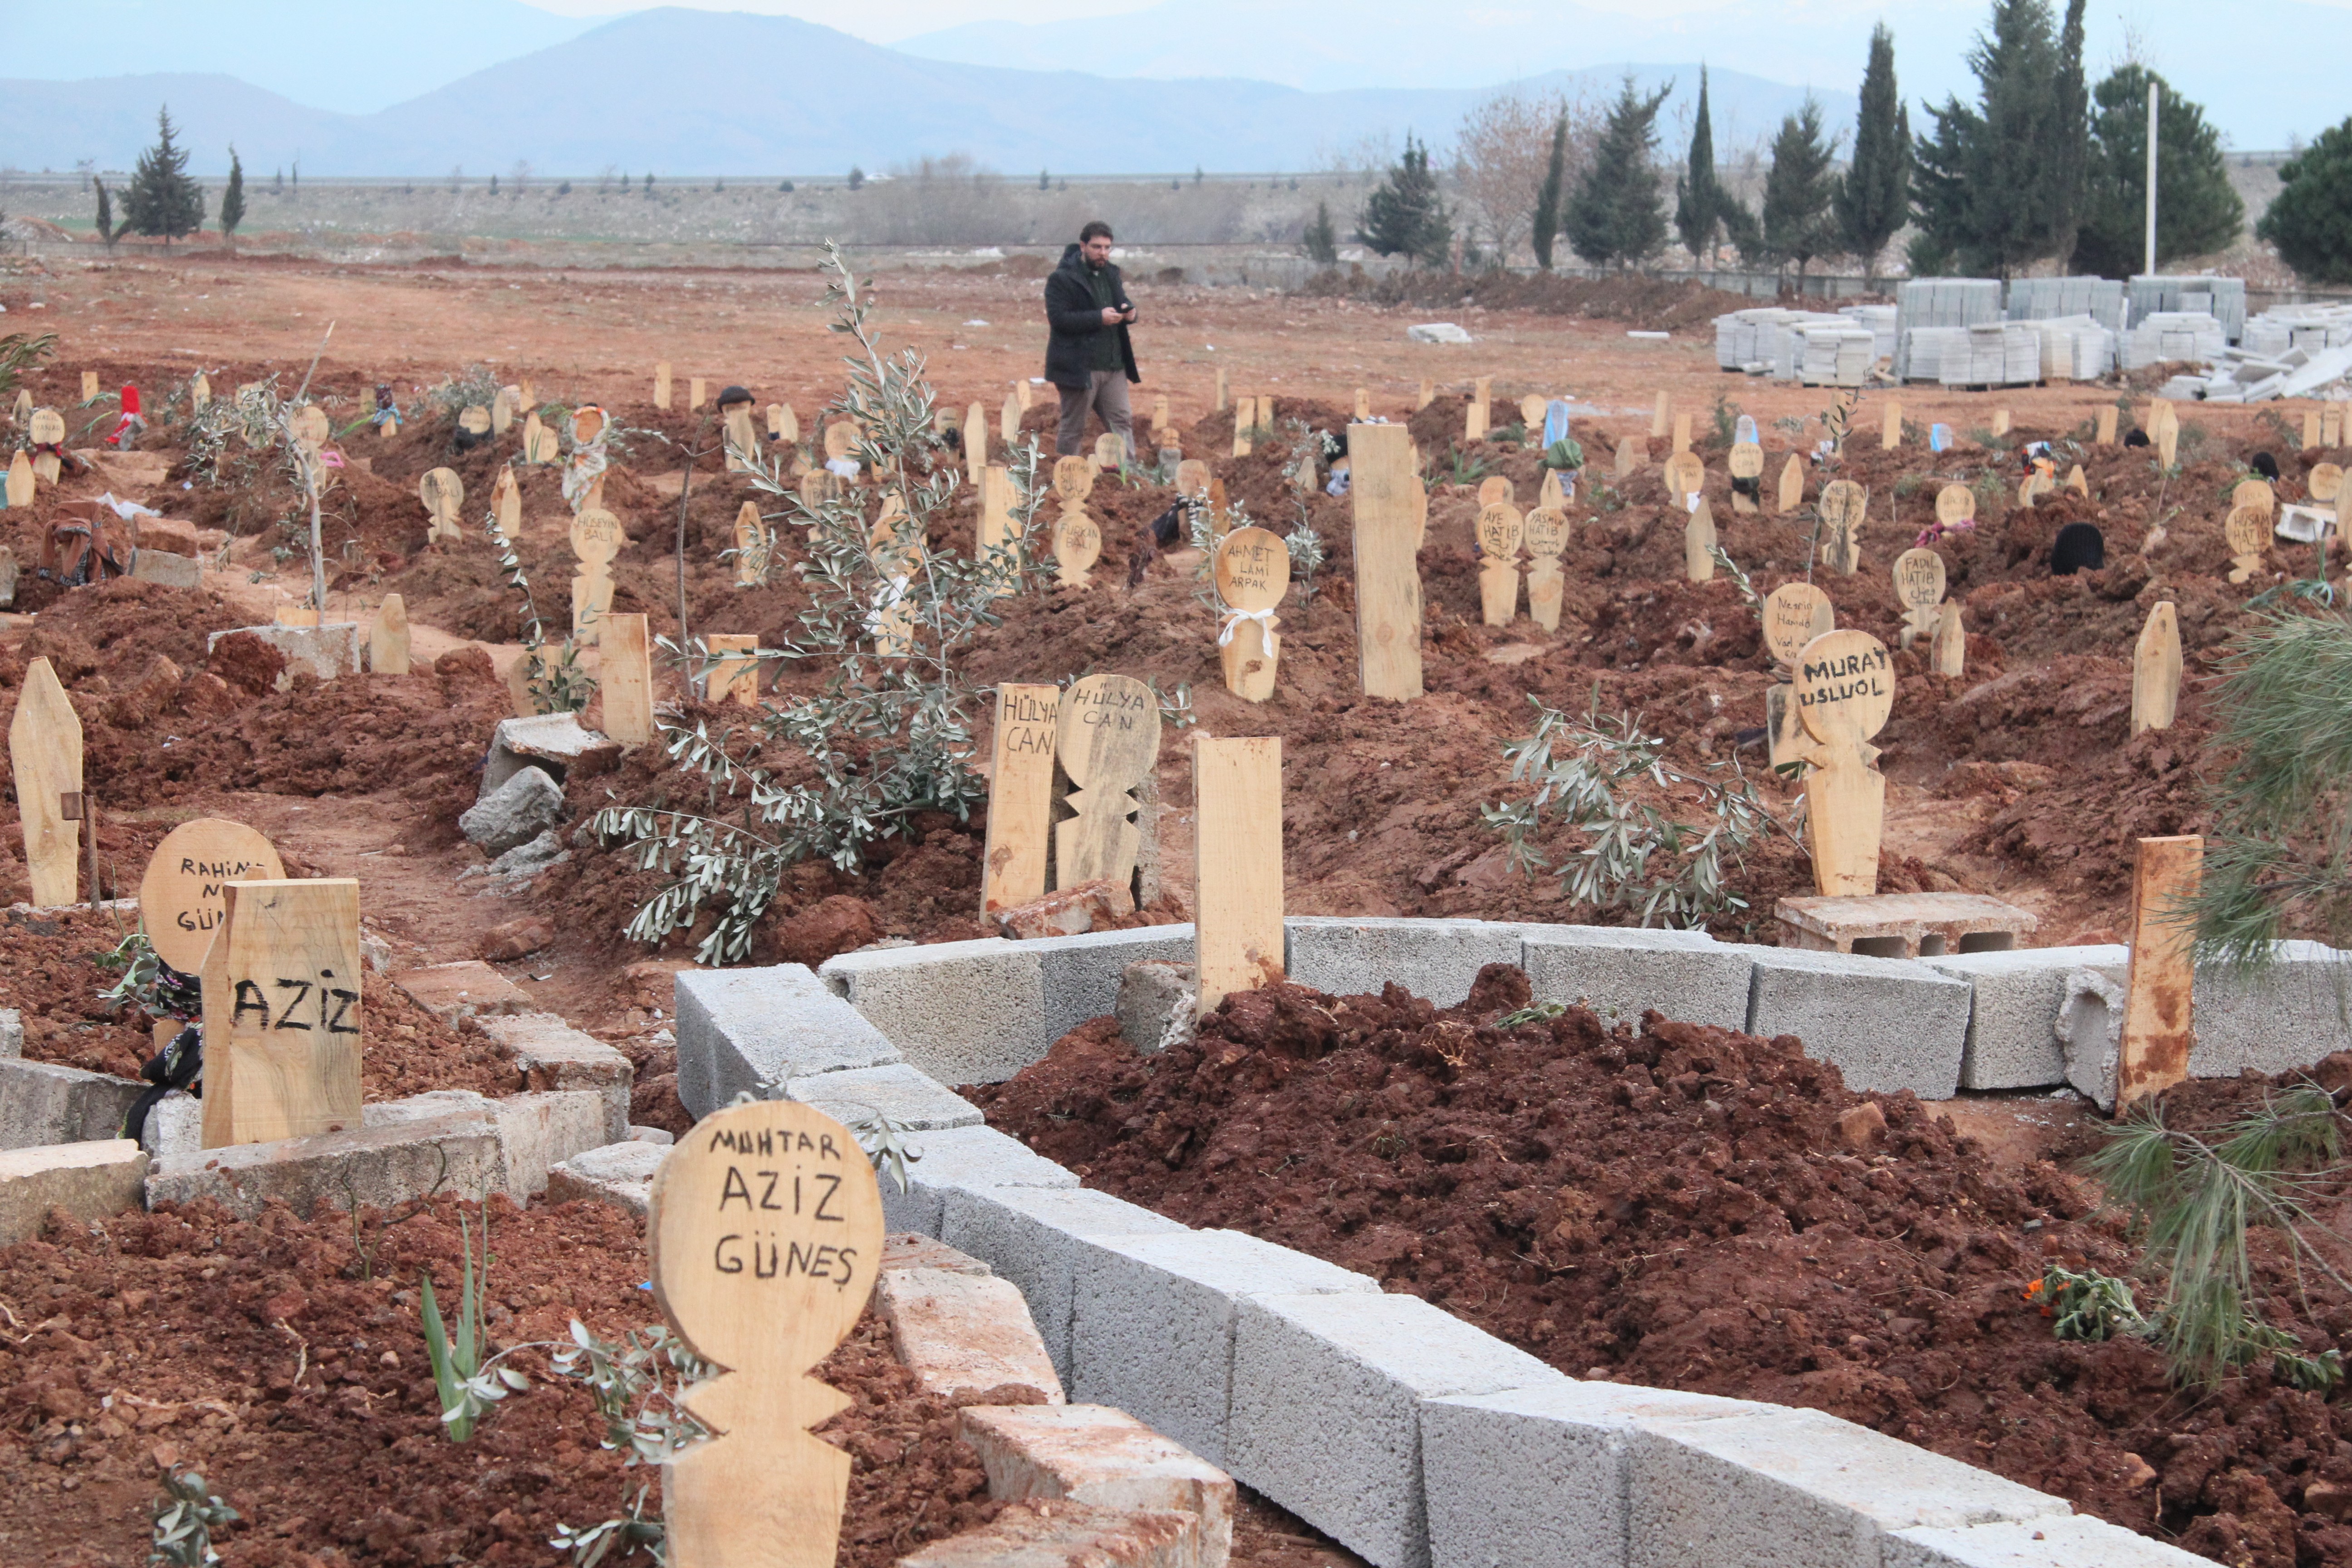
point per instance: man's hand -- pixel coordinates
(1112, 316)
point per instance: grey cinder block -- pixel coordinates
(965, 1012)
(1796, 1488)
(43, 1103)
(621, 1175)
(1326, 1407)
(2013, 1014)
(2281, 1019)
(1081, 974)
(1436, 960)
(1535, 1477)
(962, 1159)
(1887, 1024)
(2078, 1541)
(1032, 1237)
(913, 1100)
(1685, 974)
(1152, 1325)
(380, 1166)
(738, 1028)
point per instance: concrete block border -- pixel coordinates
(1418, 1440)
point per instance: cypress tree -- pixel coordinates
(1797, 225)
(232, 211)
(1618, 215)
(1321, 239)
(2310, 220)
(2069, 137)
(163, 200)
(1547, 224)
(106, 229)
(2196, 210)
(1996, 186)
(1698, 200)
(1403, 216)
(1873, 198)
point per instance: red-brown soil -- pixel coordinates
(1679, 1207)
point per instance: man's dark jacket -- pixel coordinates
(1071, 312)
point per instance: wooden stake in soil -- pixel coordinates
(283, 1032)
(1162, 424)
(2159, 999)
(1390, 510)
(1499, 530)
(1662, 420)
(1428, 396)
(2105, 433)
(2155, 669)
(1685, 477)
(46, 429)
(1792, 484)
(1630, 454)
(1476, 421)
(1890, 428)
(2078, 481)
(443, 492)
(1107, 735)
(765, 1231)
(1008, 420)
(502, 410)
(181, 901)
(1237, 887)
(997, 528)
(1699, 543)
(596, 538)
(1078, 541)
(1747, 466)
(696, 391)
(1020, 796)
(538, 441)
(975, 442)
(22, 486)
(1363, 406)
(1844, 692)
(2001, 421)
(1546, 539)
(661, 385)
(45, 753)
(2331, 427)
(1244, 424)
(1218, 406)
(1532, 410)
(1023, 394)
(1253, 572)
(1949, 649)
(1552, 492)
(742, 439)
(2310, 430)
(200, 394)
(627, 677)
(897, 552)
(388, 638)
(1110, 452)
(506, 502)
(2247, 530)
(734, 676)
(1919, 589)
(2167, 437)
(1843, 506)
(1682, 431)
(88, 385)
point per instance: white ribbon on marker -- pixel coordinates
(1265, 619)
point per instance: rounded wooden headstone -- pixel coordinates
(840, 437)
(2247, 530)
(1110, 452)
(1844, 505)
(1077, 544)
(587, 424)
(473, 420)
(442, 491)
(1191, 477)
(180, 898)
(2036, 485)
(1920, 579)
(1746, 460)
(1074, 479)
(1253, 569)
(1497, 490)
(1794, 615)
(597, 536)
(1955, 504)
(1845, 688)
(1532, 409)
(1546, 531)
(2326, 480)
(1500, 529)
(1686, 475)
(1109, 733)
(2254, 493)
(311, 428)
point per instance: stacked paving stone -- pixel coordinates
(1927, 303)
(1987, 353)
(2164, 335)
(2223, 298)
(2047, 298)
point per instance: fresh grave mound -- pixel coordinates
(263, 1356)
(1691, 1208)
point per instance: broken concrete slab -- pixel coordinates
(379, 1166)
(2078, 1541)
(527, 804)
(470, 989)
(89, 1180)
(905, 1249)
(1093, 1453)
(967, 1338)
(12, 1032)
(739, 1029)
(326, 651)
(553, 743)
(910, 1098)
(1081, 974)
(1065, 1534)
(621, 1175)
(550, 1054)
(161, 566)
(1156, 1008)
(43, 1103)
(2016, 998)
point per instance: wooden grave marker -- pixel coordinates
(1546, 537)
(1163, 424)
(1662, 418)
(2001, 421)
(1553, 492)
(1110, 452)
(1685, 476)
(734, 675)
(1245, 420)
(1631, 451)
(751, 545)
(840, 440)
(502, 410)
(1077, 538)
(1237, 885)
(2155, 669)
(1956, 505)
(1390, 508)
(1844, 693)
(1020, 796)
(1497, 490)
(538, 443)
(283, 1020)
(1193, 478)
(1792, 484)
(1747, 466)
(2078, 481)
(443, 492)
(696, 390)
(2331, 427)
(1532, 410)
(474, 420)
(8, 575)
(1474, 420)
(2167, 436)
(311, 430)
(742, 439)
(44, 754)
(181, 899)
(596, 539)
(46, 428)
(2325, 481)
(764, 1230)
(2310, 430)
(88, 385)
(2036, 485)
(626, 675)
(1106, 736)
(388, 638)
(1008, 421)
(897, 552)
(2159, 1030)
(1699, 543)
(2104, 430)
(1682, 431)
(1919, 578)
(1427, 396)
(998, 530)
(21, 411)
(1023, 394)
(1948, 649)
(1890, 428)
(506, 502)
(2247, 530)
(661, 384)
(1499, 530)
(200, 392)
(22, 486)
(1218, 406)
(1794, 615)
(2254, 493)
(975, 443)
(1252, 574)
(1363, 406)
(295, 616)
(1844, 504)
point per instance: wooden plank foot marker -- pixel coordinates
(2331, 427)
(388, 638)
(975, 442)
(1792, 484)
(46, 429)
(502, 409)
(2103, 432)
(1948, 649)
(765, 1233)
(2159, 999)
(696, 392)
(628, 678)
(1475, 421)
(89, 385)
(998, 530)
(1023, 394)
(1237, 886)
(1500, 529)
(1747, 466)
(2167, 436)
(2001, 421)
(1390, 510)
(1662, 420)
(1890, 428)
(1218, 406)
(1163, 424)
(282, 1011)
(596, 538)
(182, 901)
(1631, 451)
(1546, 539)
(734, 675)
(1794, 615)
(1552, 492)
(539, 443)
(1008, 420)
(1919, 589)
(1844, 692)
(2310, 430)
(1107, 737)
(1363, 405)
(1699, 543)
(200, 392)
(22, 486)
(1077, 540)
(1682, 431)
(751, 545)
(1428, 396)
(661, 385)
(45, 753)
(1844, 505)
(1020, 796)
(1253, 574)
(742, 439)
(506, 503)
(2155, 669)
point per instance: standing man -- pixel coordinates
(1089, 358)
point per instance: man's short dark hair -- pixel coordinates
(1095, 230)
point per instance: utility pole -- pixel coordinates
(2155, 91)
